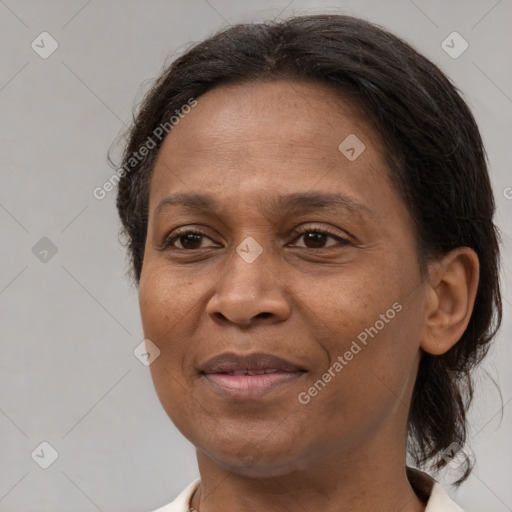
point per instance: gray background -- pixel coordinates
(68, 326)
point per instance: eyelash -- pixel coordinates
(167, 243)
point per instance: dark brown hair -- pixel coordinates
(435, 159)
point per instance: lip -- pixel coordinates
(233, 375)
(230, 362)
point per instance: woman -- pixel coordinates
(309, 218)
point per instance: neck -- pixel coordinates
(341, 483)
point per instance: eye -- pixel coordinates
(187, 239)
(315, 238)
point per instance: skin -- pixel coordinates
(302, 299)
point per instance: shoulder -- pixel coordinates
(431, 492)
(181, 502)
(439, 501)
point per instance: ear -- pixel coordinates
(451, 290)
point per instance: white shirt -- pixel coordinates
(439, 501)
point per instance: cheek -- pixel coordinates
(166, 296)
(371, 322)
(352, 302)
(372, 382)
(165, 301)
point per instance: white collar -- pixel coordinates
(439, 501)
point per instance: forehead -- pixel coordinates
(285, 128)
(293, 117)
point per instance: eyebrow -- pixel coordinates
(301, 201)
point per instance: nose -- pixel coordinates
(249, 292)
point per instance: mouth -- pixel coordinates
(250, 376)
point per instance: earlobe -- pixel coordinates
(451, 292)
(432, 345)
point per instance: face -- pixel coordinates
(265, 236)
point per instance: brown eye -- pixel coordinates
(316, 239)
(188, 240)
